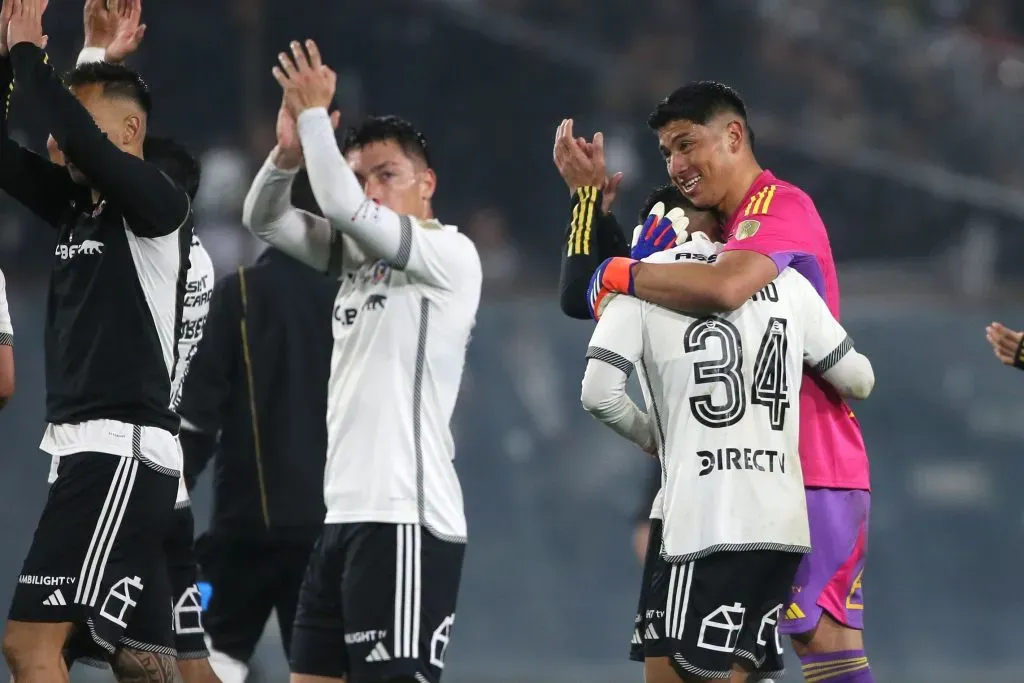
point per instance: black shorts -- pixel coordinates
(189, 636)
(378, 602)
(97, 556)
(706, 614)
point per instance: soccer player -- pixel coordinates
(707, 144)
(719, 391)
(6, 347)
(378, 601)
(1007, 344)
(189, 635)
(115, 33)
(116, 291)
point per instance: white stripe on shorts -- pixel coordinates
(407, 592)
(103, 536)
(679, 582)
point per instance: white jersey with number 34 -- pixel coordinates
(722, 392)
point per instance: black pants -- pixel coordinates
(252, 574)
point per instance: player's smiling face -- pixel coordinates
(697, 159)
(393, 178)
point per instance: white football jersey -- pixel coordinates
(723, 394)
(198, 292)
(400, 337)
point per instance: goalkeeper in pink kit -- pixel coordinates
(769, 225)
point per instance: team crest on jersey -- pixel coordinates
(747, 229)
(377, 273)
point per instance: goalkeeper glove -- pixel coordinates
(659, 232)
(614, 276)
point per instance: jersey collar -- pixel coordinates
(766, 177)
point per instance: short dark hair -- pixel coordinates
(670, 195)
(699, 102)
(383, 128)
(116, 80)
(174, 160)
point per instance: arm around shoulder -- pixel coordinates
(853, 377)
(720, 287)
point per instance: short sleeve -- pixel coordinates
(774, 222)
(618, 337)
(6, 329)
(826, 342)
(438, 256)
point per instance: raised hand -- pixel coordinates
(25, 24)
(1007, 344)
(114, 26)
(5, 20)
(128, 32)
(609, 184)
(659, 232)
(307, 82)
(572, 161)
(100, 22)
(289, 148)
(582, 164)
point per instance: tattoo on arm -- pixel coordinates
(135, 666)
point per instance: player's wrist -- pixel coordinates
(634, 266)
(584, 193)
(312, 116)
(618, 275)
(286, 161)
(91, 54)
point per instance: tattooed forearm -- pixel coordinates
(135, 666)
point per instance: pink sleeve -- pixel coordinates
(782, 229)
(777, 228)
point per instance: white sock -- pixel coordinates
(228, 669)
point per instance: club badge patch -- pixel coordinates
(747, 229)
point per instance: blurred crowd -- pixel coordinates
(935, 80)
(871, 105)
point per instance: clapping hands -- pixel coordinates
(582, 164)
(114, 25)
(307, 82)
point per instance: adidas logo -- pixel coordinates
(637, 640)
(794, 612)
(650, 633)
(56, 599)
(379, 653)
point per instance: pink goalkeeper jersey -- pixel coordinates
(780, 221)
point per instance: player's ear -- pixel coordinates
(428, 184)
(736, 132)
(131, 131)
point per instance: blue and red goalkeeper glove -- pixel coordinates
(614, 276)
(659, 232)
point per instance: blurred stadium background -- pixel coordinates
(900, 117)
